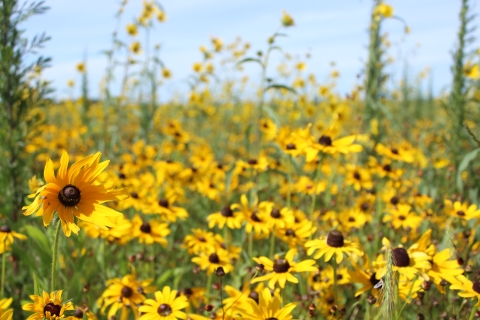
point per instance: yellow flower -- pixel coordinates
(401, 152)
(251, 217)
(268, 307)
(161, 16)
(136, 47)
(287, 20)
(132, 29)
(468, 288)
(47, 306)
(166, 306)
(471, 71)
(461, 210)
(327, 144)
(74, 192)
(7, 236)
(81, 67)
(401, 216)
(226, 216)
(216, 258)
(383, 10)
(200, 241)
(81, 313)
(282, 268)
(149, 232)
(126, 294)
(5, 313)
(34, 183)
(333, 244)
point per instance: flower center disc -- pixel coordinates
(69, 196)
(54, 309)
(254, 295)
(335, 239)
(163, 203)
(127, 292)
(281, 266)
(227, 212)
(213, 258)
(5, 229)
(400, 257)
(78, 314)
(325, 141)
(145, 227)
(275, 213)
(164, 310)
(476, 286)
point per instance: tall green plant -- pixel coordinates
(20, 92)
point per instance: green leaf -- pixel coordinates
(469, 157)
(250, 60)
(39, 238)
(280, 86)
(165, 276)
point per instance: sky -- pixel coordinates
(328, 30)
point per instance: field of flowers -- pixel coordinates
(284, 202)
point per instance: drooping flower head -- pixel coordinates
(75, 192)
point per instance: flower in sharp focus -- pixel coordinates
(74, 192)
(166, 306)
(333, 244)
(282, 269)
(47, 306)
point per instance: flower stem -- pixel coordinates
(272, 243)
(472, 314)
(4, 261)
(250, 245)
(335, 285)
(315, 186)
(209, 285)
(54, 255)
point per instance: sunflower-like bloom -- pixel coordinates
(461, 210)
(468, 289)
(211, 261)
(333, 244)
(283, 268)
(126, 294)
(166, 306)
(402, 217)
(251, 216)
(6, 314)
(81, 313)
(226, 216)
(149, 231)
(47, 306)
(7, 236)
(74, 192)
(199, 241)
(268, 307)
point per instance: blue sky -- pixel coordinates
(328, 30)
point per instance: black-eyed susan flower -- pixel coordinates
(47, 306)
(166, 209)
(401, 216)
(125, 294)
(281, 269)
(296, 234)
(444, 268)
(358, 178)
(166, 306)
(214, 259)
(468, 288)
(333, 244)
(254, 222)
(149, 231)
(5, 313)
(400, 152)
(199, 241)
(82, 313)
(461, 210)
(226, 216)
(7, 236)
(268, 307)
(74, 192)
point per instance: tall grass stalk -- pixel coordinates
(387, 304)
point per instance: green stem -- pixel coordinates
(250, 245)
(472, 314)
(272, 244)
(289, 189)
(335, 285)
(54, 255)
(314, 195)
(4, 262)
(209, 285)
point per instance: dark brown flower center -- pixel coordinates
(291, 146)
(134, 195)
(387, 168)
(281, 266)
(461, 213)
(400, 257)
(254, 295)
(187, 292)
(69, 196)
(54, 309)
(163, 203)
(335, 239)
(5, 229)
(365, 206)
(394, 150)
(78, 314)
(255, 217)
(351, 219)
(252, 162)
(394, 200)
(202, 239)
(476, 286)
(145, 227)
(401, 217)
(164, 310)
(275, 213)
(213, 258)
(127, 292)
(325, 141)
(357, 176)
(290, 233)
(227, 212)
